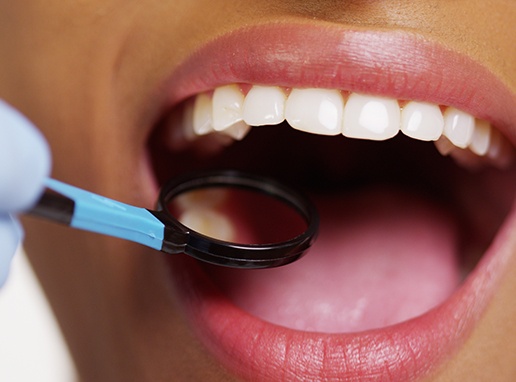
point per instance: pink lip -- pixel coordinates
(394, 64)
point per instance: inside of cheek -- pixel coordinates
(401, 226)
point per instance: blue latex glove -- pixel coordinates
(24, 164)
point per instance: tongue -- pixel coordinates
(382, 257)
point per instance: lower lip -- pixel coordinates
(252, 348)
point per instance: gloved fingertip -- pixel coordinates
(25, 160)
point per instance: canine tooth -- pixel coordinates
(421, 120)
(458, 127)
(227, 106)
(317, 111)
(238, 131)
(481, 138)
(202, 115)
(208, 222)
(181, 133)
(264, 105)
(368, 117)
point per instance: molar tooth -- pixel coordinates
(317, 111)
(458, 127)
(227, 106)
(264, 105)
(369, 117)
(202, 115)
(481, 138)
(421, 120)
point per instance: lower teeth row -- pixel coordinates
(228, 112)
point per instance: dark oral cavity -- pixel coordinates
(400, 227)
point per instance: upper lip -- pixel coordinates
(396, 64)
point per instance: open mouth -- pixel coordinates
(402, 224)
(411, 195)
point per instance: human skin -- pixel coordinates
(89, 74)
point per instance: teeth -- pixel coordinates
(422, 121)
(444, 146)
(202, 115)
(228, 114)
(228, 102)
(481, 138)
(198, 211)
(208, 222)
(374, 118)
(222, 113)
(317, 111)
(238, 131)
(208, 198)
(458, 127)
(264, 105)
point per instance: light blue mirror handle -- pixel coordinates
(91, 212)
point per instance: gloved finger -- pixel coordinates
(10, 237)
(24, 160)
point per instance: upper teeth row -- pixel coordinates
(331, 112)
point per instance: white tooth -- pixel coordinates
(421, 120)
(202, 115)
(187, 127)
(227, 106)
(238, 131)
(458, 127)
(206, 198)
(264, 105)
(317, 111)
(481, 138)
(208, 222)
(196, 130)
(369, 117)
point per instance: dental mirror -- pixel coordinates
(227, 218)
